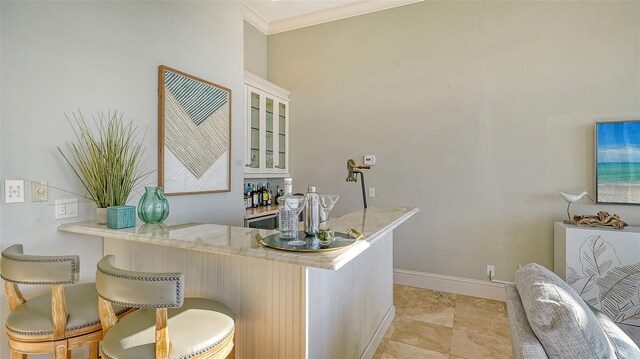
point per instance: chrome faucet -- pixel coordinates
(352, 171)
(352, 176)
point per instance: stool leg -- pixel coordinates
(94, 349)
(62, 350)
(16, 355)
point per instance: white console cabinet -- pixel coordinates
(602, 264)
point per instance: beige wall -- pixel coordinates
(478, 113)
(255, 50)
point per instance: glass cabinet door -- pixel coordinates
(282, 136)
(269, 134)
(254, 131)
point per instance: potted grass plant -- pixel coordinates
(107, 159)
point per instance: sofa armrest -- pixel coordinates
(524, 343)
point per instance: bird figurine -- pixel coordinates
(572, 198)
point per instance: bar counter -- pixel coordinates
(241, 241)
(335, 304)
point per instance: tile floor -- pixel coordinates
(430, 324)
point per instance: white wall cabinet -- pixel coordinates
(267, 124)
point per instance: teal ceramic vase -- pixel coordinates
(153, 206)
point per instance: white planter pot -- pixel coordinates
(101, 215)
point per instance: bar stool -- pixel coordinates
(55, 322)
(166, 325)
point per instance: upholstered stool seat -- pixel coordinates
(166, 325)
(196, 327)
(58, 321)
(33, 318)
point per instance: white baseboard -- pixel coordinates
(444, 283)
(370, 350)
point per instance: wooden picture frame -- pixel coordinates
(194, 134)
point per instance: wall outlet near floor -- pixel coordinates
(66, 208)
(491, 271)
(13, 191)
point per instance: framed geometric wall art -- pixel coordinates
(194, 134)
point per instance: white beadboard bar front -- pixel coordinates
(334, 304)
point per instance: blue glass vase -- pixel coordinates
(153, 206)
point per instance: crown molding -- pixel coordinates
(255, 19)
(262, 84)
(332, 14)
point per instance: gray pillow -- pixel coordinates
(561, 320)
(622, 343)
(632, 331)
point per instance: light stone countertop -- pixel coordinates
(240, 241)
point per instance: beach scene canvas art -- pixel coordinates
(618, 162)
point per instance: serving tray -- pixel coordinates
(340, 240)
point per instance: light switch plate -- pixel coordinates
(39, 191)
(13, 191)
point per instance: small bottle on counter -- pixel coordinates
(259, 194)
(288, 221)
(247, 196)
(278, 194)
(255, 198)
(265, 194)
(312, 212)
(259, 190)
(269, 195)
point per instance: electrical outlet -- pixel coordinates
(372, 192)
(39, 191)
(66, 208)
(13, 191)
(491, 271)
(72, 208)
